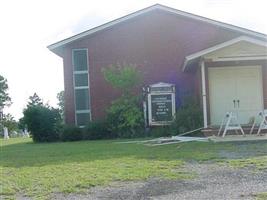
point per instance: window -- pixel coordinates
(82, 99)
(82, 119)
(80, 60)
(81, 80)
(81, 86)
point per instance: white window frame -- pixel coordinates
(81, 87)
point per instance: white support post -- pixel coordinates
(204, 94)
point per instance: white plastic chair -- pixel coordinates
(230, 121)
(263, 122)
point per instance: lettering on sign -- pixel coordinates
(161, 107)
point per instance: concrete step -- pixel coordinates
(214, 131)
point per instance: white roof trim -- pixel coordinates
(222, 45)
(143, 11)
(161, 84)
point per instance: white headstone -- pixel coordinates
(6, 133)
(26, 133)
(15, 133)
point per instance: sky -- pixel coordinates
(29, 26)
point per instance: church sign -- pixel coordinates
(161, 104)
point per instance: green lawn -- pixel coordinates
(38, 170)
(261, 196)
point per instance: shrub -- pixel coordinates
(161, 131)
(188, 117)
(71, 133)
(97, 130)
(125, 118)
(43, 123)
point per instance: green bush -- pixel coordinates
(71, 133)
(97, 130)
(43, 123)
(161, 131)
(125, 117)
(188, 117)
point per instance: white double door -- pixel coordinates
(237, 89)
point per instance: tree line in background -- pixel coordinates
(6, 120)
(124, 117)
(5, 99)
(38, 117)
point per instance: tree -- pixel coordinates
(35, 100)
(9, 122)
(123, 77)
(124, 115)
(61, 102)
(21, 124)
(5, 100)
(42, 122)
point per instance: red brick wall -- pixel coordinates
(157, 42)
(68, 87)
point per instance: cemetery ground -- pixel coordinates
(110, 170)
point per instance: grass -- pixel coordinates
(254, 156)
(257, 163)
(261, 196)
(39, 170)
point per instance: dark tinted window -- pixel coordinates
(82, 99)
(80, 60)
(81, 80)
(82, 119)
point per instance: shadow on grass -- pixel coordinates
(23, 152)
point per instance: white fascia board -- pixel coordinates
(222, 45)
(240, 58)
(143, 11)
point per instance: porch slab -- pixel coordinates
(237, 138)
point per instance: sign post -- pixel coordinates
(161, 104)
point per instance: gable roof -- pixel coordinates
(195, 56)
(56, 46)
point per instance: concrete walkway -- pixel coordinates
(236, 138)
